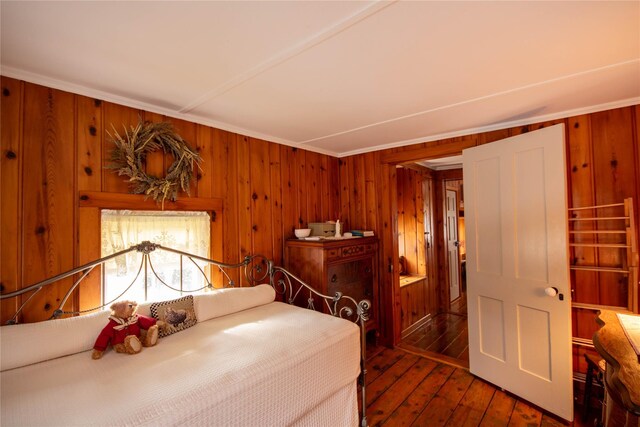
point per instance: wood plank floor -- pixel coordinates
(445, 334)
(405, 389)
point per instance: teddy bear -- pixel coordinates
(127, 331)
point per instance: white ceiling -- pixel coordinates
(334, 77)
(443, 163)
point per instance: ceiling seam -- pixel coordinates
(289, 53)
(470, 101)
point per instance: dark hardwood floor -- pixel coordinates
(444, 336)
(459, 306)
(405, 389)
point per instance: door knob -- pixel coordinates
(553, 291)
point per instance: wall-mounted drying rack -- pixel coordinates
(610, 232)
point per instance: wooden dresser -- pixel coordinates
(346, 265)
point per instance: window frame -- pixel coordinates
(91, 203)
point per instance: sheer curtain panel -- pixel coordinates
(185, 231)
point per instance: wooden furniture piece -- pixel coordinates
(622, 375)
(346, 265)
(596, 368)
(416, 303)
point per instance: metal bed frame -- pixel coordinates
(256, 268)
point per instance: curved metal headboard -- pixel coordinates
(257, 269)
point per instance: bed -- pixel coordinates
(249, 360)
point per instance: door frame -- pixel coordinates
(457, 244)
(389, 258)
(441, 237)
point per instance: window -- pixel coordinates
(186, 231)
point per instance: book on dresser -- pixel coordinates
(345, 265)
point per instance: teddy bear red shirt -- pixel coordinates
(118, 329)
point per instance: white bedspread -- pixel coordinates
(272, 365)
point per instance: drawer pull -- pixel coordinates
(367, 270)
(354, 250)
(334, 278)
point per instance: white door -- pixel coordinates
(452, 245)
(516, 217)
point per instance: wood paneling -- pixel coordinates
(261, 212)
(89, 137)
(299, 163)
(313, 184)
(289, 180)
(243, 181)
(411, 227)
(51, 210)
(414, 303)
(48, 181)
(204, 147)
(615, 179)
(10, 194)
(231, 242)
(90, 141)
(388, 229)
(116, 119)
(277, 229)
(89, 249)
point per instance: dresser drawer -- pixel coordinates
(357, 250)
(334, 253)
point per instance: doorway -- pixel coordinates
(442, 332)
(451, 221)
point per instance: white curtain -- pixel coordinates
(186, 231)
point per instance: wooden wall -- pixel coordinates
(418, 300)
(411, 226)
(54, 146)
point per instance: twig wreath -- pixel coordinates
(130, 152)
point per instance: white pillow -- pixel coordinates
(145, 308)
(28, 343)
(221, 302)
